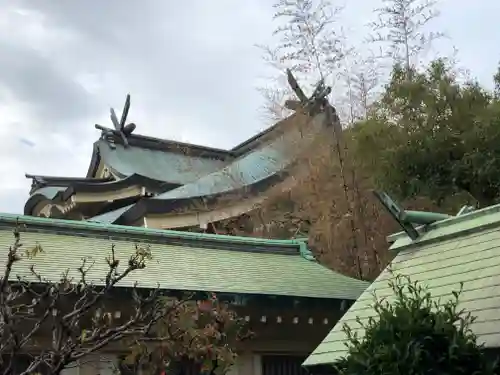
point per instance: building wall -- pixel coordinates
(248, 363)
(94, 365)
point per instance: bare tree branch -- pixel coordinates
(57, 323)
(402, 25)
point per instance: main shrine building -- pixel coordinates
(137, 180)
(143, 189)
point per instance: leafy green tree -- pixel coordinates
(415, 334)
(433, 136)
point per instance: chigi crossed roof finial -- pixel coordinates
(317, 100)
(119, 127)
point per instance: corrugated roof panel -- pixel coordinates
(462, 255)
(188, 268)
(159, 165)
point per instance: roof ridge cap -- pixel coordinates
(464, 225)
(122, 229)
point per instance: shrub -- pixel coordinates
(415, 334)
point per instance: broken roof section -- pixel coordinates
(459, 249)
(133, 178)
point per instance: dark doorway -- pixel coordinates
(283, 365)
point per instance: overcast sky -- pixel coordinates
(191, 68)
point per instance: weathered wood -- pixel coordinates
(121, 129)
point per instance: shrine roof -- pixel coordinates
(165, 176)
(457, 253)
(181, 260)
(173, 165)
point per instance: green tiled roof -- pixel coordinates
(181, 261)
(460, 249)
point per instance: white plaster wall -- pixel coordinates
(97, 365)
(246, 364)
(73, 370)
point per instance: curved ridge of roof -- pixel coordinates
(252, 172)
(255, 166)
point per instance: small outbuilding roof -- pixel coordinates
(461, 249)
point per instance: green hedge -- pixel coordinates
(415, 335)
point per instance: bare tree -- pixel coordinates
(402, 26)
(326, 203)
(57, 323)
(274, 108)
(361, 76)
(496, 79)
(325, 198)
(309, 42)
(312, 45)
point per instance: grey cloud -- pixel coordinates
(109, 20)
(191, 68)
(190, 72)
(27, 142)
(35, 80)
(177, 60)
(13, 200)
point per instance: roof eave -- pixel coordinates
(151, 185)
(94, 161)
(153, 206)
(290, 247)
(40, 181)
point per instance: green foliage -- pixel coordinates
(433, 136)
(415, 335)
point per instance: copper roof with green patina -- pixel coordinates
(462, 249)
(181, 260)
